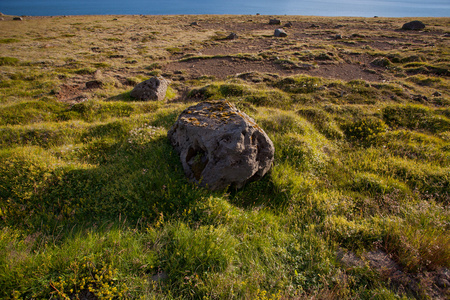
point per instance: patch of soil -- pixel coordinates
(224, 67)
(432, 284)
(71, 93)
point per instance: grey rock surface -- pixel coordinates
(414, 25)
(220, 146)
(154, 88)
(280, 33)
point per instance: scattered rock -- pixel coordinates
(152, 89)
(414, 25)
(232, 36)
(280, 33)
(220, 146)
(437, 94)
(338, 37)
(274, 22)
(314, 26)
(194, 24)
(288, 25)
(447, 35)
(338, 26)
(94, 84)
(18, 19)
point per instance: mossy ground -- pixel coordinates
(94, 202)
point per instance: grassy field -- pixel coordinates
(94, 203)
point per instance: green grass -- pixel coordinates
(9, 61)
(93, 197)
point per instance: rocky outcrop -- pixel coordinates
(414, 25)
(154, 88)
(220, 146)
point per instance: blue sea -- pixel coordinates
(356, 8)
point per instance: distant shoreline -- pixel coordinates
(220, 15)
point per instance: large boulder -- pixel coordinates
(154, 88)
(414, 25)
(220, 146)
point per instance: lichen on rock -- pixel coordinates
(220, 146)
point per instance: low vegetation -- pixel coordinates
(94, 203)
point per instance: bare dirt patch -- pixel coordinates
(430, 284)
(224, 67)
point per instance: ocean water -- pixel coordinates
(356, 8)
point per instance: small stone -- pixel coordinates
(18, 19)
(154, 88)
(232, 36)
(274, 22)
(288, 25)
(437, 94)
(194, 24)
(280, 33)
(414, 25)
(338, 37)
